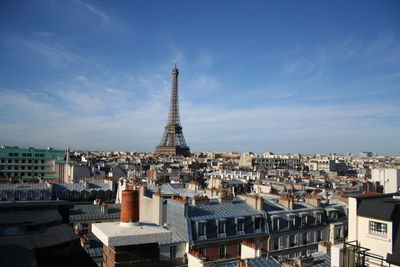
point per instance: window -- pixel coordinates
(222, 251)
(202, 229)
(221, 227)
(319, 235)
(239, 251)
(275, 224)
(318, 218)
(292, 222)
(305, 238)
(304, 220)
(276, 243)
(377, 228)
(257, 223)
(292, 241)
(172, 252)
(240, 226)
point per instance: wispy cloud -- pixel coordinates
(94, 10)
(206, 126)
(44, 34)
(53, 52)
(81, 78)
(204, 59)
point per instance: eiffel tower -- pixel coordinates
(173, 142)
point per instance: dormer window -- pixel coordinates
(275, 224)
(318, 218)
(304, 220)
(290, 221)
(240, 226)
(257, 224)
(221, 227)
(202, 229)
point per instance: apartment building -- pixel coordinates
(296, 228)
(216, 228)
(374, 232)
(30, 164)
(389, 178)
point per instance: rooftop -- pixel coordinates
(88, 212)
(233, 209)
(380, 207)
(114, 234)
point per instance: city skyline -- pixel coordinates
(311, 77)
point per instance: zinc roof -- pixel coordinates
(88, 212)
(218, 211)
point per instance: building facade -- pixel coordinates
(29, 164)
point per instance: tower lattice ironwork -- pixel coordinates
(173, 141)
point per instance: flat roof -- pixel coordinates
(114, 234)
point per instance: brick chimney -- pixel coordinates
(198, 200)
(130, 206)
(314, 201)
(287, 202)
(255, 201)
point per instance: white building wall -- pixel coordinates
(388, 178)
(247, 252)
(378, 244)
(353, 221)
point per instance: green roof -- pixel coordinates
(22, 153)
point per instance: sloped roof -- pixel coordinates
(378, 207)
(89, 212)
(232, 209)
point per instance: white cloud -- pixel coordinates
(44, 34)
(206, 127)
(53, 52)
(204, 59)
(81, 78)
(94, 10)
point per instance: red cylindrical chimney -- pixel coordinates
(130, 206)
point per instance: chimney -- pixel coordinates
(130, 206)
(198, 200)
(249, 250)
(255, 201)
(225, 198)
(287, 202)
(314, 201)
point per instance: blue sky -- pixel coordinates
(281, 76)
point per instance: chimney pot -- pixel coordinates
(130, 206)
